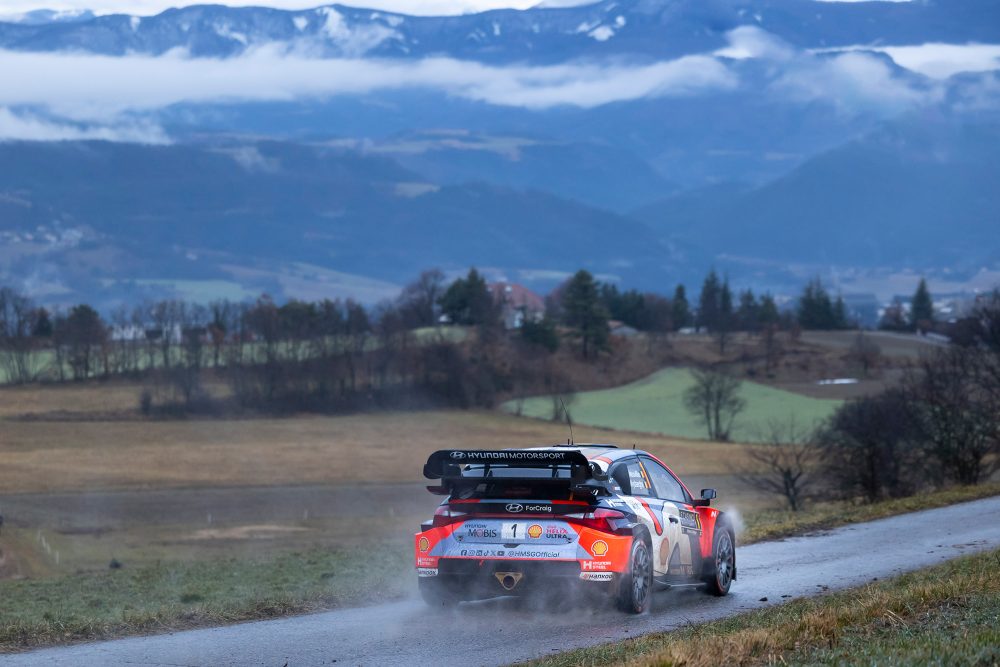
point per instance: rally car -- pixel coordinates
(599, 517)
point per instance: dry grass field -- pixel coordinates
(62, 455)
(84, 479)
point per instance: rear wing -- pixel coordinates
(446, 462)
(448, 466)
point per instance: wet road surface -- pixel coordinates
(503, 631)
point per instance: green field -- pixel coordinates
(655, 405)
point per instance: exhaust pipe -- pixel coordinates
(509, 580)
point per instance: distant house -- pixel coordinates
(130, 332)
(518, 304)
(619, 328)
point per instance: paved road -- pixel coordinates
(502, 631)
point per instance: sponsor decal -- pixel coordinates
(482, 532)
(690, 520)
(514, 508)
(599, 548)
(511, 455)
(427, 572)
(597, 576)
(426, 562)
(424, 544)
(534, 531)
(595, 564)
(556, 531)
(502, 553)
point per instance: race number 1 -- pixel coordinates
(511, 531)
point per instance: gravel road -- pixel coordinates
(502, 631)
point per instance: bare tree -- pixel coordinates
(785, 463)
(957, 412)
(84, 336)
(872, 448)
(715, 398)
(418, 302)
(865, 353)
(772, 348)
(17, 345)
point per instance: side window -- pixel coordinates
(619, 474)
(639, 484)
(667, 486)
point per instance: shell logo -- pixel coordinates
(599, 548)
(424, 544)
(534, 531)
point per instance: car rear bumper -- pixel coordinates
(592, 556)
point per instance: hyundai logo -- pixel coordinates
(514, 507)
(458, 455)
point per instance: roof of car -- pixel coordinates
(605, 452)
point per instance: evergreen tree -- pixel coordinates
(748, 314)
(726, 318)
(922, 308)
(840, 314)
(468, 301)
(43, 324)
(584, 313)
(768, 312)
(817, 311)
(708, 301)
(681, 310)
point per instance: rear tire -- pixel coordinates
(437, 593)
(722, 564)
(635, 587)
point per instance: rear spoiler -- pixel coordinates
(446, 465)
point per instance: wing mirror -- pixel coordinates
(707, 495)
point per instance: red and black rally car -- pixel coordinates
(516, 520)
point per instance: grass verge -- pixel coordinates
(944, 615)
(775, 524)
(182, 595)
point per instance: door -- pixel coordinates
(678, 558)
(662, 519)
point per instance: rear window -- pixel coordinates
(503, 471)
(500, 481)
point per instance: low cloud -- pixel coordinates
(88, 87)
(29, 127)
(95, 96)
(940, 61)
(853, 82)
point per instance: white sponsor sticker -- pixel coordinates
(513, 532)
(427, 572)
(597, 576)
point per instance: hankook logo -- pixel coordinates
(514, 507)
(458, 455)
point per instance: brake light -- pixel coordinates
(444, 516)
(600, 519)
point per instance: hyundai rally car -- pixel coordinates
(617, 520)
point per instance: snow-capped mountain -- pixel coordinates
(643, 29)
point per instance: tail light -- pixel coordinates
(444, 515)
(600, 519)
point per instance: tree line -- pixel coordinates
(341, 353)
(938, 426)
